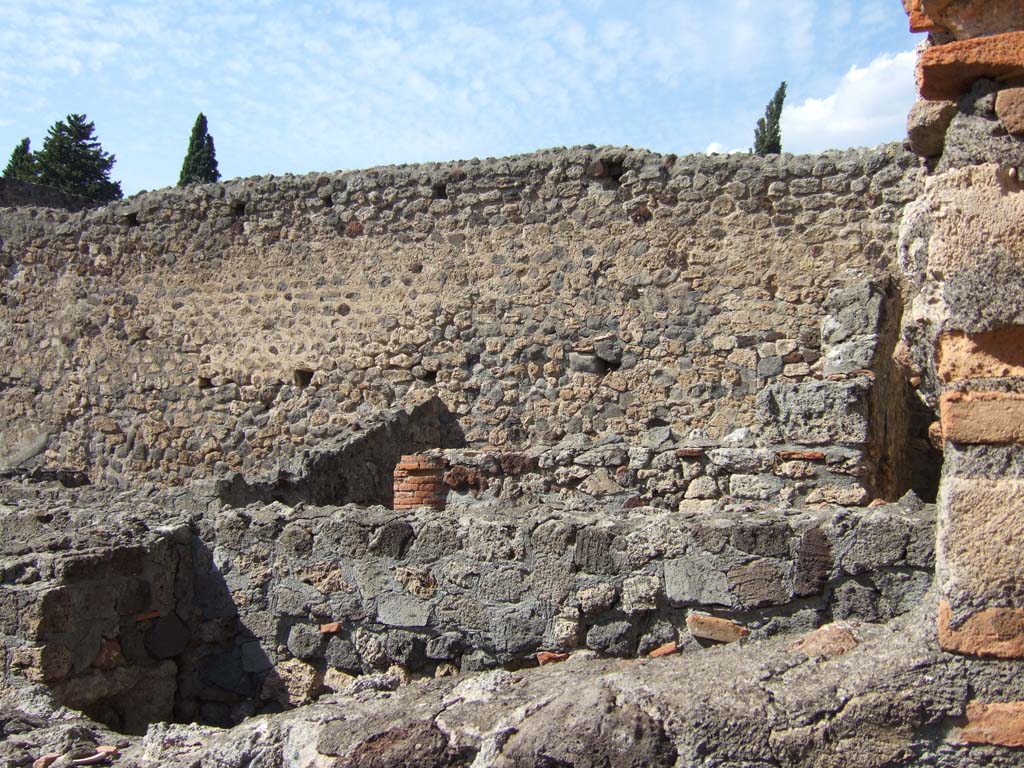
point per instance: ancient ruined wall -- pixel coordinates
(219, 328)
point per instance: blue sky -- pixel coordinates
(316, 86)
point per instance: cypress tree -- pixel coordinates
(73, 160)
(768, 134)
(22, 165)
(200, 164)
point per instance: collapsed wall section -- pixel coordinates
(191, 333)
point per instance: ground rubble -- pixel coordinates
(894, 698)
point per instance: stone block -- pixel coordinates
(640, 593)
(927, 124)
(981, 534)
(815, 412)
(965, 19)
(1001, 723)
(825, 642)
(994, 632)
(596, 599)
(403, 611)
(947, 71)
(616, 637)
(989, 418)
(695, 579)
(758, 583)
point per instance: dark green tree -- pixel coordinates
(768, 134)
(73, 160)
(200, 164)
(22, 165)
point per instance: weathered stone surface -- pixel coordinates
(402, 611)
(992, 418)
(982, 268)
(947, 71)
(994, 723)
(696, 580)
(815, 413)
(589, 732)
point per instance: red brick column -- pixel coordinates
(419, 482)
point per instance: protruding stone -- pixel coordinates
(664, 650)
(706, 627)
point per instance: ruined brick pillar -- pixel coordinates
(419, 482)
(963, 328)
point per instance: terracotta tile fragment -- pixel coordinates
(550, 657)
(1001, 724)
(997, 632)
(982, 418)
(663, 650)
(825, 642)
(707, 627)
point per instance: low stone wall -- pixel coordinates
(218, 613)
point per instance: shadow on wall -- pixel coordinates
(148, 633)
(354, 468)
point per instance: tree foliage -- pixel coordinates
(22, 165)
(73, 160)
(200, 164)
(768, 134)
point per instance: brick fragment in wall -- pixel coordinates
(985, 355)
(964, 19)
(948, 71)
(989, 418)
(999, 723)
(707, 627)
(919, 20)
(994, 632)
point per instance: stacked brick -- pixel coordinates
(419, 482)
(968, 41)
(976, 53)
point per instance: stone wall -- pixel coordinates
(195, 332)
(179, 608)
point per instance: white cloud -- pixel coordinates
(869, 106)
(718, 148)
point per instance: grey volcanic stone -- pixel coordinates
(614, 638)
(305, 642)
